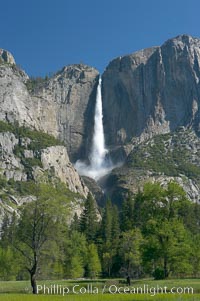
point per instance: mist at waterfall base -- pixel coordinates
(100, 164)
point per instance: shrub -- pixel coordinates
(159, 274)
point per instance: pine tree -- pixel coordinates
(110, 236)
(115, 224)
(107, 222)
(5, 241)
(195, 259)
(127, 214)
(89, 219)
(75, 223)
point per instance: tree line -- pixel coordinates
(155, 233)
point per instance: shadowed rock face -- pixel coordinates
(152, 91)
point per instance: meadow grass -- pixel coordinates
(105, 297)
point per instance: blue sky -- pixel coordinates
(45, 35)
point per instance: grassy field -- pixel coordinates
(21, 290)
(99, 298)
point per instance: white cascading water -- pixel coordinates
(97, 156)
(98, 166)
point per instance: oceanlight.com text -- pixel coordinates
(78, 289)
(150, 290)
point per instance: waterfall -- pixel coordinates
(97, 156)
(99, 165)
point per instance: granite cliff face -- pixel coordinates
(62, 106)
(152, 91)
(15, 101)
(146, 94)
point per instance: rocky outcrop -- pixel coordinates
(96, 190)
(15, 101)
(6, 57)
(20, 163)
(152, 91)
(123, 181)
(55, 158)
(163, 158)
(10, 165)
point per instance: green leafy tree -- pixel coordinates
(7, 229)
(163, 211)
(171, 248)
(8, 264)
(192, 218)
(107, 262)
(159, 203)
(180, 252)
(40, 222)
(168, 247)
(75, 255)
(149, 204)
(177, 204)
(130, 251)
(52, 258)
(93, 263)
(77, 266)
(32, 232)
